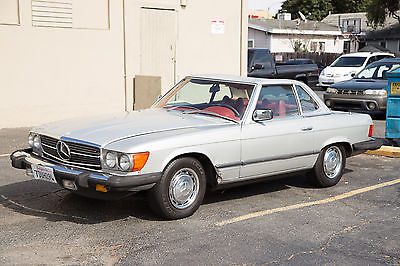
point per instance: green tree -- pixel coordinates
(349, 6)
(312, 9)
(319, 9)
(379, 10)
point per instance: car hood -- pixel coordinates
(105, 130)
(361, 84)
(341, 70)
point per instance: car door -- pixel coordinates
(279, 145)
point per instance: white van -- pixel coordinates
(346, 66)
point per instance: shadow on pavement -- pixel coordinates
(257, 188)
(43, 199)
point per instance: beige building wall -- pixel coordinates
(74, 58)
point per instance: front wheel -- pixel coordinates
(329, 167)
(180, 190)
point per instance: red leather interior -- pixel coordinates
(222, 111)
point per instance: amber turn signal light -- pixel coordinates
(139, 160)
(101, 188)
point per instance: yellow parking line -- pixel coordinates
(306, 204)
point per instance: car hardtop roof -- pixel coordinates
(239, 79)
(363, 54)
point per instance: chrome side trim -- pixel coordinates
(266, 159)
(227, 165)
(279, 157)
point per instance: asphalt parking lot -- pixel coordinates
(278, 222)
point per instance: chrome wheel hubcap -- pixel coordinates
(333, 161)
(184, 188)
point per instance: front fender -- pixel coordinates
(182, 151)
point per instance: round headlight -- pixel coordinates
(30, 139)
(125, 162)
(111, 160)
(36, 142)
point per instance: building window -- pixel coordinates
(250, 43)
(314, 46)
(383, 44)
(321, 46)
(346, 47)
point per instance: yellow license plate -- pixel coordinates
(395, 88)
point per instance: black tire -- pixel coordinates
(164, 200)
(323, 176)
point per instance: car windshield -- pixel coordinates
(349, 61)
(201, 96)
(376, 71)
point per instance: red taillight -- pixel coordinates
(371, 130)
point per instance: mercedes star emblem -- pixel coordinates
(63, 150)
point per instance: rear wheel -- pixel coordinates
(329, 167)
(180, 190)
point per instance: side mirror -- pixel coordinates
(258, 66)
(353, 74)
(262, 115)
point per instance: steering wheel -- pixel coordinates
(227, 106)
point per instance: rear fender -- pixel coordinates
(338, 139)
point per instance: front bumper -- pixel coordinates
(86, 180)
(324, 81)
(355, 102)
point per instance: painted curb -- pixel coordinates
(387, 151)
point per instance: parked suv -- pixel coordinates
(346, 66)
(366, 91)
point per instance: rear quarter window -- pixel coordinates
(307, 103)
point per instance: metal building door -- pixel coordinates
(158, 34)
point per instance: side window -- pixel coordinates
(307, 103)
(371, 59)
(280, 99)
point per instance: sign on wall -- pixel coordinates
(217, 27)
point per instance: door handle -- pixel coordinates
(307, 128)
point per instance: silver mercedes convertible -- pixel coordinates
(207, 132)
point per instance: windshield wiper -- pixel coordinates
(202, 112)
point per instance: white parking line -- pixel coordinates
(307, 204)
(4, 155)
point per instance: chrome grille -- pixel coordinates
(350, 92)
(82, 155)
